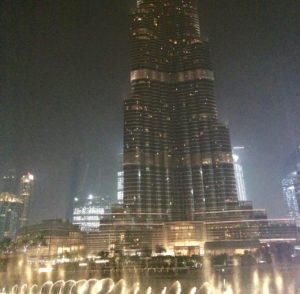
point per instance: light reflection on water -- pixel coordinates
(107, 286)
(256, 282)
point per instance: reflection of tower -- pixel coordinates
(120, 184)
(177, 154)
(26, 190)
(239, 175)
(289, 194)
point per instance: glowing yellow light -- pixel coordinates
(45, 270)
(266, 282)
(279, 282)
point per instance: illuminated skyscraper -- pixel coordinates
(9, 182)
(291, 184)
(88, 212)
(239, 174)
(289, 194)
(11, 208)
(25, 193)
(177, 155)
(120, 183)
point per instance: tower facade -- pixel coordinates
(120, 181)
(177, 155)
(297, 188)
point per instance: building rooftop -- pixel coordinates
(8, 197)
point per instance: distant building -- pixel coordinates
(239, 174)
(291, 184)
(89, 211)
(10, 211)
(9, 182)
(25, 194)
(120, 184)
(289, 194)
(50, 239)
(239, 177)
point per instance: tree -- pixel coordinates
(103, 254)
(160, 249)
(35, 240)
(220, 259)
(6, 246)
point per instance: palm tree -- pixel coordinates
(7, 246)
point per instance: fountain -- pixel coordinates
(108, 286)
(221, 281)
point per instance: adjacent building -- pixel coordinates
(177, 154)
(25, 194)
(10, 182)
(15, 200)
(88, 211)
(239, 174)
(123, 234)
(289, 184)
(50, 240)
(11, 208)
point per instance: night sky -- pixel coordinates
(65, 70)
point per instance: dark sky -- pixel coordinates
(65, 71)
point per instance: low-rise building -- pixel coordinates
(122, 233)
(50, 240)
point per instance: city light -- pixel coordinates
(45, 270)
(170, 215)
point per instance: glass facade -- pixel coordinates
(120, 184)
(289, 194)
(297, 188)
(177, 155)
(89, 211)
(10, 211)
(120, 187)
(9, 182)
(50, 240)
(239, 177)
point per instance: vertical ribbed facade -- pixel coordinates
(177, 155)
(297, 186)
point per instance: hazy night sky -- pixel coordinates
(65, 70)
